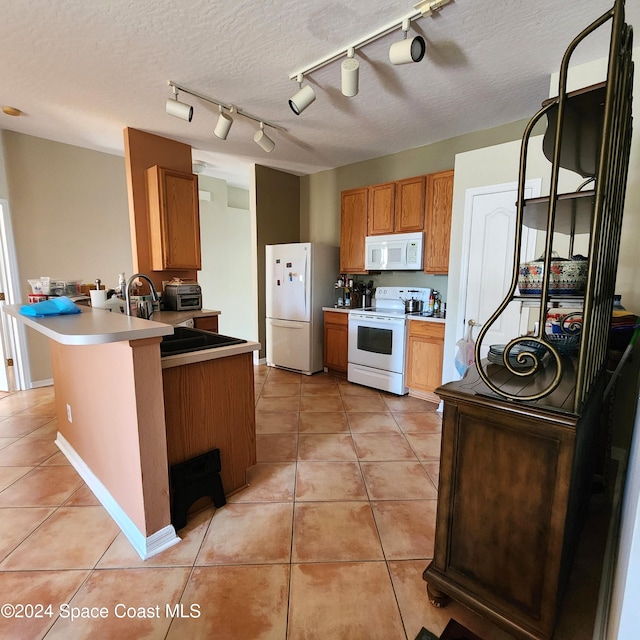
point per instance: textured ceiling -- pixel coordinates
(82, 71)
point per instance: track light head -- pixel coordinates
(263, 140)
(303, 98)
(407, 49)
(350, 74)
(179, 109)
(223, 125)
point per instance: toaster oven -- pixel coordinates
(182, 297)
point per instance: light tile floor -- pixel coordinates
(329, 540)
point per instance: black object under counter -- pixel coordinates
(186, 340)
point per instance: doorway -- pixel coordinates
(488, 248)
(13, 366)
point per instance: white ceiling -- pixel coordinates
(82, 71)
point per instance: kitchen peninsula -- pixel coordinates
(114, 415)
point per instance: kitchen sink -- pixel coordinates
(185, 340)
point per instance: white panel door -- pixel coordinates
(288, 294)
(490, 260)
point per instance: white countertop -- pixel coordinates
(408, 317)
(91, 326)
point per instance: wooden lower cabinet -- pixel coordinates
(515, 482)
(211, 405)
(425, 348)
(336, 341)
(208, 323)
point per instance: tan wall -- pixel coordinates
(118, 429)
(277, 197)
(70, 219)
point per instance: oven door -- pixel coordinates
(377, 341)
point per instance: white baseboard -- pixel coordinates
(41, 383)
(145, 546)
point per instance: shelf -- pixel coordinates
(573, 212)
(535, 300)
(582, 129)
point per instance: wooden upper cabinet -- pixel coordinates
(439, 201)
(409, 210)
(382, 206)
(353, 230)
(174, 219)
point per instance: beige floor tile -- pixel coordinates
(71, 538)
(343, 600)
(382, 446)
(82, 497)
(406, 528)
(284, 422)
(49, 430)
(122, 555)
(425, 421)
(16, 524)
(321, 403)
(248, 534)
(364, 404)
(278, 405)
(13, 404)
(44, 587)
(426, 445)
(316, 389)
(247, 602)
(56, 460)
(433, 471)
(45, 409)
(36, 395)
(281, 375)
(8, 475)
(260, 374)
(268, 482)
(319, 378)
(20, 425)
(326, 481)
(276, 447)
(42, 487)
(323, 422)
(401, 404)
(349, 389)
(5, 442)
(121, 589)
(397, 481)
(27, 452)
(372, 423)
(326, 446)
(334, 532)
(279, 390)
(416, 611)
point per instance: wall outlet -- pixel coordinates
(69, 417)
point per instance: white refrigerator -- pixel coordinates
(300, 281)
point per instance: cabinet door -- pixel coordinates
(438, 222)
(336, 340)
(382, 198)
(425, 350)
(410, 197)
(174, 219)
(208, 323)
(353, 230)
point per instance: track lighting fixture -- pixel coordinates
(303, 98)
(407, 49)
(179, 109)
(224, 124)
(350, 74)
(263, 140)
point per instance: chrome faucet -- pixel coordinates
(127, 294)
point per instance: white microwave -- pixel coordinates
(394, 252)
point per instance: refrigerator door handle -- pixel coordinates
(289, 324)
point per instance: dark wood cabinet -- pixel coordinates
(208, 323)
(336, 341)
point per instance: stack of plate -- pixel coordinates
(496, 352)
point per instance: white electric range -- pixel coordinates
(377, 339)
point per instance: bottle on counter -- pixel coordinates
(122, 286)
(431, 304)
(436, 303)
